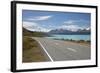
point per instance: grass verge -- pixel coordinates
(32, 51)
(82, 42)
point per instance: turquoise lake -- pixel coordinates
(73, 37)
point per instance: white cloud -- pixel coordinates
(39, 18)
(73, 21)
(34, 26)
(69, 22)
(71, 27)
(29, 25)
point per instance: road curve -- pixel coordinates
(58, 50)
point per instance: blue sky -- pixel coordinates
(49, 20)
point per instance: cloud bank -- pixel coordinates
(32, 26)
(40, 18)
(73, 25)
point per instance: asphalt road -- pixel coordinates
(58, 50)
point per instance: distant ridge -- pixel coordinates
(63, 31)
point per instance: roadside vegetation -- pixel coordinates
(32, 51)
(76, 41)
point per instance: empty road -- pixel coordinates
(58, 50)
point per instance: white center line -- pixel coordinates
(45, 51)
(71, 49)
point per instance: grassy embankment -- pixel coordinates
(32, 51)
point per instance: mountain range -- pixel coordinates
(56, 31)
(65, 31)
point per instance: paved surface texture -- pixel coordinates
(58, 50)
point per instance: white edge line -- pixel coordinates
(45, 51)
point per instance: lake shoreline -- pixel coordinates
(81, 42)
(71, 37)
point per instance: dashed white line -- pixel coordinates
(45, 50)
(71, 49)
